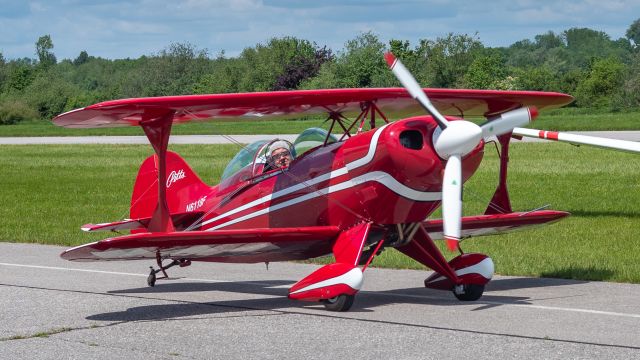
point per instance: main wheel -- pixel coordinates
(469, 292)
(339, 303)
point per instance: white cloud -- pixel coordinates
(37, 7)
(118, 28)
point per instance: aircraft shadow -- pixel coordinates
(526, 283)
(276, 300)
(265, 287)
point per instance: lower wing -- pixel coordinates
(496, 224)
(244, 245)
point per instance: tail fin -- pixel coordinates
(185, 191)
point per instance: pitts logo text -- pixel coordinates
(175, 176)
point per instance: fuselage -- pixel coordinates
(388, 175)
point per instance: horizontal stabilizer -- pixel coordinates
(181, 221)
(242, 245)
(482, 225)
(126, 224)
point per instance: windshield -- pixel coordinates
(243, 158)
(311, 138)
(307, 140)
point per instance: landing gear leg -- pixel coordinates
(151, 279)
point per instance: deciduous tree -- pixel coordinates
(44, 45)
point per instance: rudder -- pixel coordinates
(186, 192)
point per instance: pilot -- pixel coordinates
(279, 155)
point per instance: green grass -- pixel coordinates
(573, 119)
(569, 119)
(48, 192)
(42, 334)
(46, 128)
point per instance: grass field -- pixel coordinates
(46, 128)
(569, 119)
(49, 191)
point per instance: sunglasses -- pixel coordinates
(281, 155)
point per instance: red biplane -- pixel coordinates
(348, 192)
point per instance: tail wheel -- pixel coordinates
(151, 279)
(468, 292)
(339, 303)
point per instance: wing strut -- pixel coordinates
(500, 203)
(157, 127)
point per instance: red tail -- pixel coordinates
(185, 191)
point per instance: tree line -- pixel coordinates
(599, 71)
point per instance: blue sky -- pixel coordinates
(120, 29)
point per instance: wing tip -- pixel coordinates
(533, 113)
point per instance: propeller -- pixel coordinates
(412, 86)
(455, 140)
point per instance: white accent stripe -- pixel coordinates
(439, 278)
(318, 179)
(81, 246)
(396, 186)
(280, 193)
(377, 176)
(352, 278)
(373, 145)
(393, 295)
(484, 268)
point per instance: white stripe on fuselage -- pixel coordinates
(318, 179)
(280, 193)
(377, 176)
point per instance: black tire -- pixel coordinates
(151, 279)
(472, 292)
(339, 303)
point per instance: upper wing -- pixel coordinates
(246, 245)
(394, 102)
(496, 224)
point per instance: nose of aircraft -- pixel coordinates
(411, 147)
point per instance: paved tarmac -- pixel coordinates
(53, 309)
(244, 139)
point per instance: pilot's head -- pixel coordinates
(279, 154)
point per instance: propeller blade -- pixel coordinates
(412, 86)
(509, 120)
(452, 201)
(576, 139)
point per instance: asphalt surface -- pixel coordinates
(244, 139)
(52, 309)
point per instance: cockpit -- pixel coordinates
(256, 158)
